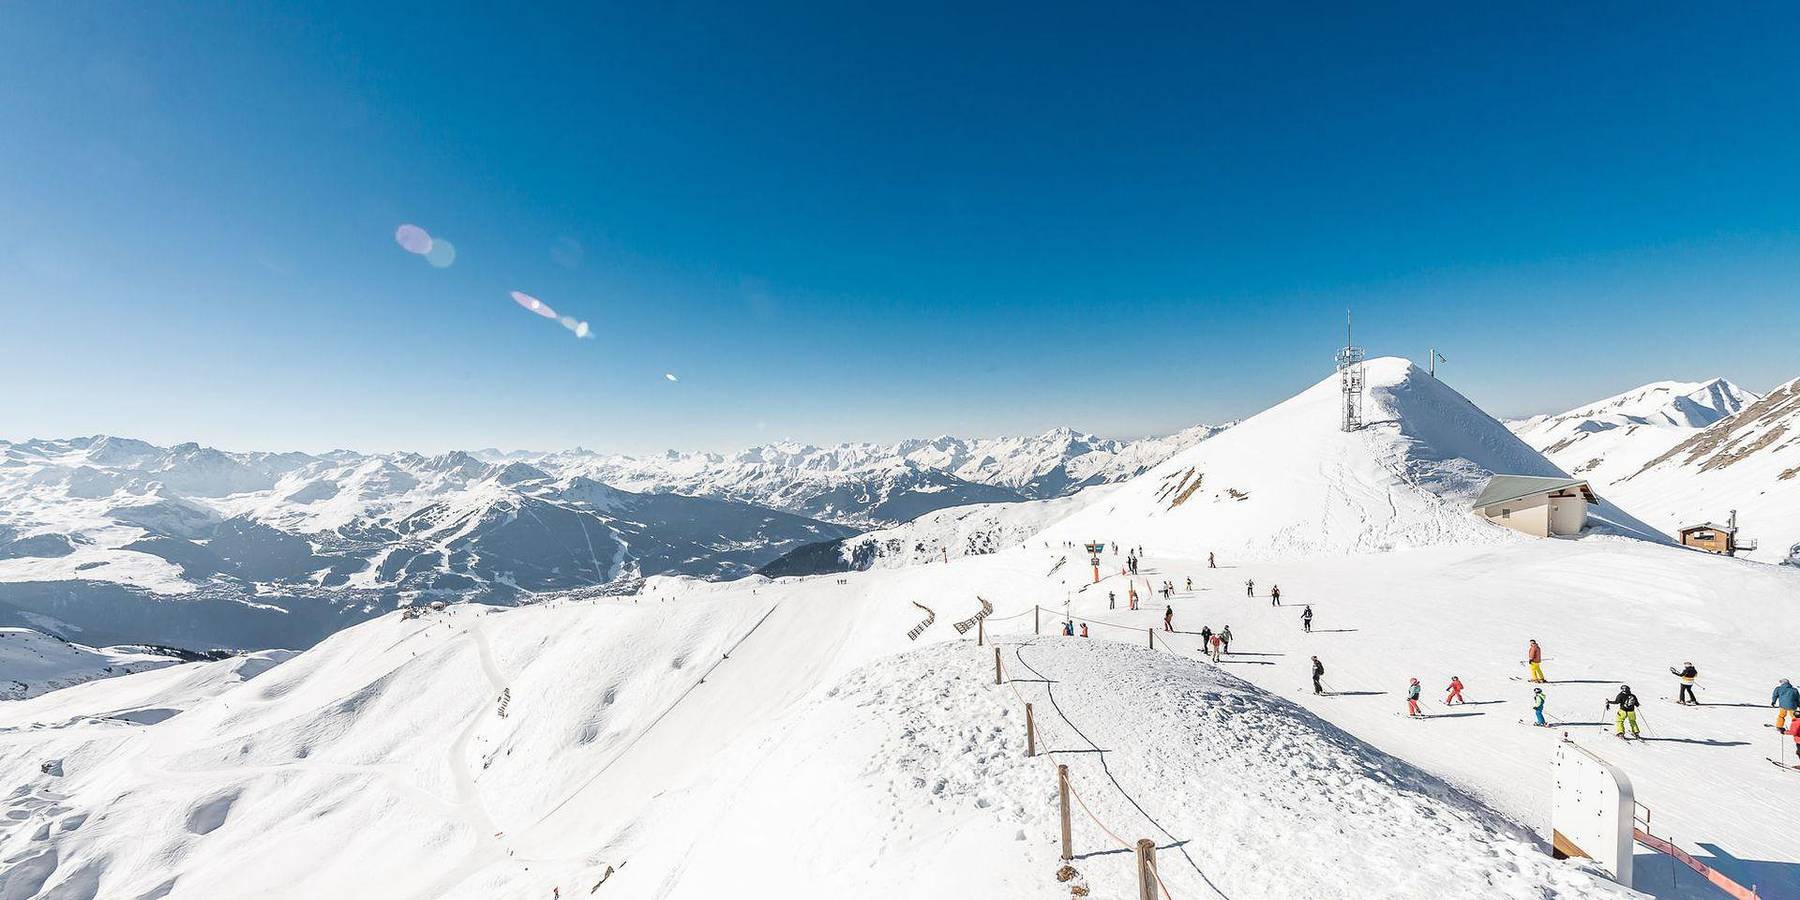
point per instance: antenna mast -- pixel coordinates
(1432, 358)
(1350, 373)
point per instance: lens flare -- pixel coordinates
(533, 304)
(581, 330)
(441, 254)
(670, 376)
(413, 239)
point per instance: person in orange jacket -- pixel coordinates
(1455, 689)
(1534, 657)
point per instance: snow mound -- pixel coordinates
(475, 752)
(1289, 483)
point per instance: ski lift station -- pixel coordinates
(1537, 506)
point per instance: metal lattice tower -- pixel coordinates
(1350, 372)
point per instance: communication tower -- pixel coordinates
(1350, 373)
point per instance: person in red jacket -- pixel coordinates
(1455, 691)
(1793, 731)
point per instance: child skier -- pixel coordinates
(1218, 644)
(1412, 699)
(1534, 657)
(1784, 700)
(1084, 629)
(1131, 596)
(1537, 705)
(1687, 674)
(1455, 690)
(1306, 619)
(1318, 673)
(1275, 595)
(1627, 702)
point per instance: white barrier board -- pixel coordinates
(1591, 811)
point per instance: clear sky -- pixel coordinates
(832, 223)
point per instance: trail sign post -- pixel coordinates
(1094, 549)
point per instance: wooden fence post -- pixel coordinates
(1030, 733)
(1152, 633)
(1146, 863)
(1034, 620)
(996, 665)
(1062, 788)
(981, 632)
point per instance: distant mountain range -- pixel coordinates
(1685, 453)
(280, 549)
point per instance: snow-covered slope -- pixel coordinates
(454, 751)
(1749, 462)
(1287, 482)
(787, 738)
(33, 663)
(1613, 438)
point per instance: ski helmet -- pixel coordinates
(1415, 681)
(1624, 688)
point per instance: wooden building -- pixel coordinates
(1715, 538)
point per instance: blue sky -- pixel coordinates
(836, 224)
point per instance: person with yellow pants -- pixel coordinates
(1627, 702)
(1534, 657)
(1784, 700)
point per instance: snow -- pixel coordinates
(785, 738)
(1611, 439)
(33, 663)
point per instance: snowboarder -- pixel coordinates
(1412, 699)
(1084, 629)
(1306, 619)
(1249, 587)
(1218, 647)
(1627, 702)
(1455, 690)
(1225, 638)
(1534, 657)
(1537, 705)
(1275, 595)
(1169, 619)
(1784, 700)
(1210, 562)
(1318, 673)
(1687, 674)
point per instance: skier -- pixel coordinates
(1249, 587)
(1210, 562)
(1306, 619)
(1190, 582)
(1205, 637)
(1627, 702)
(1169, 619)
(1068, 629)
(1318, 673)
(1275, 595)
(1225, 637)
(1131, 596)
(1534, 657)
(1084, 629)
(1412, 699)
(1112, 600)
(1455, 690)
(1784, 699)
(1793, 731)
(1687, 674)
(1218, 647)
(1537, 705)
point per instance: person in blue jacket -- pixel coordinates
(1784, 700)
(1537, 705)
